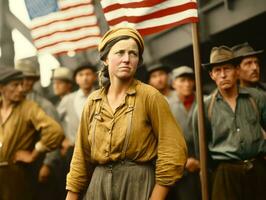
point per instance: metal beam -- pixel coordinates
(15, 23)
(1, 19)
(6, 41)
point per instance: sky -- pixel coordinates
(23, 48)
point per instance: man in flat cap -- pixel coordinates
(182, 104)
(62, 80)
(249, 66)
(20, 121)
(235, 142)
(29, 68)
(159, 78)
(31, 76)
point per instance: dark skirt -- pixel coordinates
(120, 181)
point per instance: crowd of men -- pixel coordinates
(35, 152)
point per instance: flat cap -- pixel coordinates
(28, 67)
(182, 70)
(8, 73)
(63, 73)
(157, 66)
(84, 66)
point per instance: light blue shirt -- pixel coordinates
(70, 109)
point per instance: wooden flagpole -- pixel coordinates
(201, 127)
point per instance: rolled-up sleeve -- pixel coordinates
(172, 150)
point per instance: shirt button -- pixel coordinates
(238, 129)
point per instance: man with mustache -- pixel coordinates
(249, 66)
(235, 143)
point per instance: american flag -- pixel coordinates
(149, 16)
(63, 26)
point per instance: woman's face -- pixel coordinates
(123, 59)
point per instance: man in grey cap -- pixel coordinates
(31, 76)
(235, 142)
(182, 105)
(20, 121)
(62, 80)
(249, 66)
(159, 78)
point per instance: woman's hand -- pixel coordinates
(192, 165)
(72, 196)
(159, 192)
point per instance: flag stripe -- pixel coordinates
(147, 10)
(67, 30)
(64, 25)
(147, 17)
(110, 6)
(67, 41)
(67, 35)
(166, 12)
(73, 27)
(155, 29)
(67, 4)
(64, 15)
(163, 21)
(66, 46)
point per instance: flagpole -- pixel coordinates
(201, 128)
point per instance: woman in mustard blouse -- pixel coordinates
(128, 144)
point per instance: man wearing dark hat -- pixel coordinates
(20, 121)
(71, 106)
(159, 79)
(249, 66)
(235, 142)
(182, 104)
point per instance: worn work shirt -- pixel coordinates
(70, 110)
(18, 132)
(184, 118)
(235, 135)
(154, 135)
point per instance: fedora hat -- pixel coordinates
(244, 50)
(219, 56)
